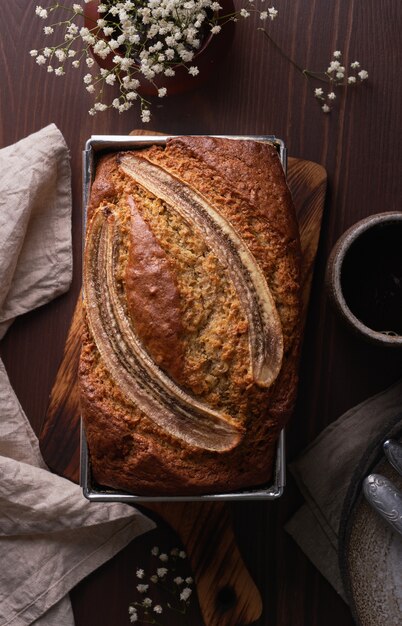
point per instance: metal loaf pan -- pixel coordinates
(96, 145)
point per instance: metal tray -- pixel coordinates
(97, 493)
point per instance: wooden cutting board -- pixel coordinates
(204, 528)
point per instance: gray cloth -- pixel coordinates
(50, 535)
(324, 471)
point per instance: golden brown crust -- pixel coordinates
(244, 182)
(152, 297)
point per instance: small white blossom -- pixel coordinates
(40, 12)
(33, 53)
(193, 70)
(154, 578)
(147, 602)
(337, 54)
(272, 13)
(161, 571)
(182, 554)
(318, 92)
(87, 79)
(244, 13)
(189, 580)
(355, 65)
(161, 93)
(48, 30)
(75, 63)
(78, 8)
(49, 69)
(351, 80)
(142, 588)
(41, 59)
(140, 573)
(325, 108)
(89, 62)
(163, 557)
(90, 88)
(178, 580)
(110, 79)
(158, 608)
(331, 95)
(363, 74)
(185, 594)
(59, 71)
(216, 29)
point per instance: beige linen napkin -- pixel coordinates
(50, 535)
(324, 471)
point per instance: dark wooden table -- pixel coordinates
(256, 91)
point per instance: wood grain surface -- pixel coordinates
(256, 91)
(204, 528)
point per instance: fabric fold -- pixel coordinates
(336, 452)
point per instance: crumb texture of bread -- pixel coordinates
(179, 296)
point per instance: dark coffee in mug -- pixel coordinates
(371, 277)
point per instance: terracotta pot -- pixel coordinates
(207, 58)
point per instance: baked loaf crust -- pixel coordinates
(191, 339)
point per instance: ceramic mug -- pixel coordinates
(364, 278)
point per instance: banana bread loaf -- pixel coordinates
(189, 358)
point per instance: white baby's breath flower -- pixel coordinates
(272, 13)
(337, 54)
(89, 62)
(182, 554)
(163, 557)
(331, 95)
(154, 578)
(59, 71)
(33, 53)
(325, 108)
(161, 571)
(87, 79)
(40, 59)
(318, 92)
(142, 588)
(363, 74)
(185, 594)
(161, 94)
(355, 65)
(193, 70)
(75, 63)
(147, 602)
(216, 29)
(158, 608)
(110, 79)
(90, 88)
(178, 580)
(40, 12)
(244, 13)
(140, 573)
(351, 80)
(189, 580)
(49, 69)
(78, 8)
(48, 30)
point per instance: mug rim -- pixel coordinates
(335, 264)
